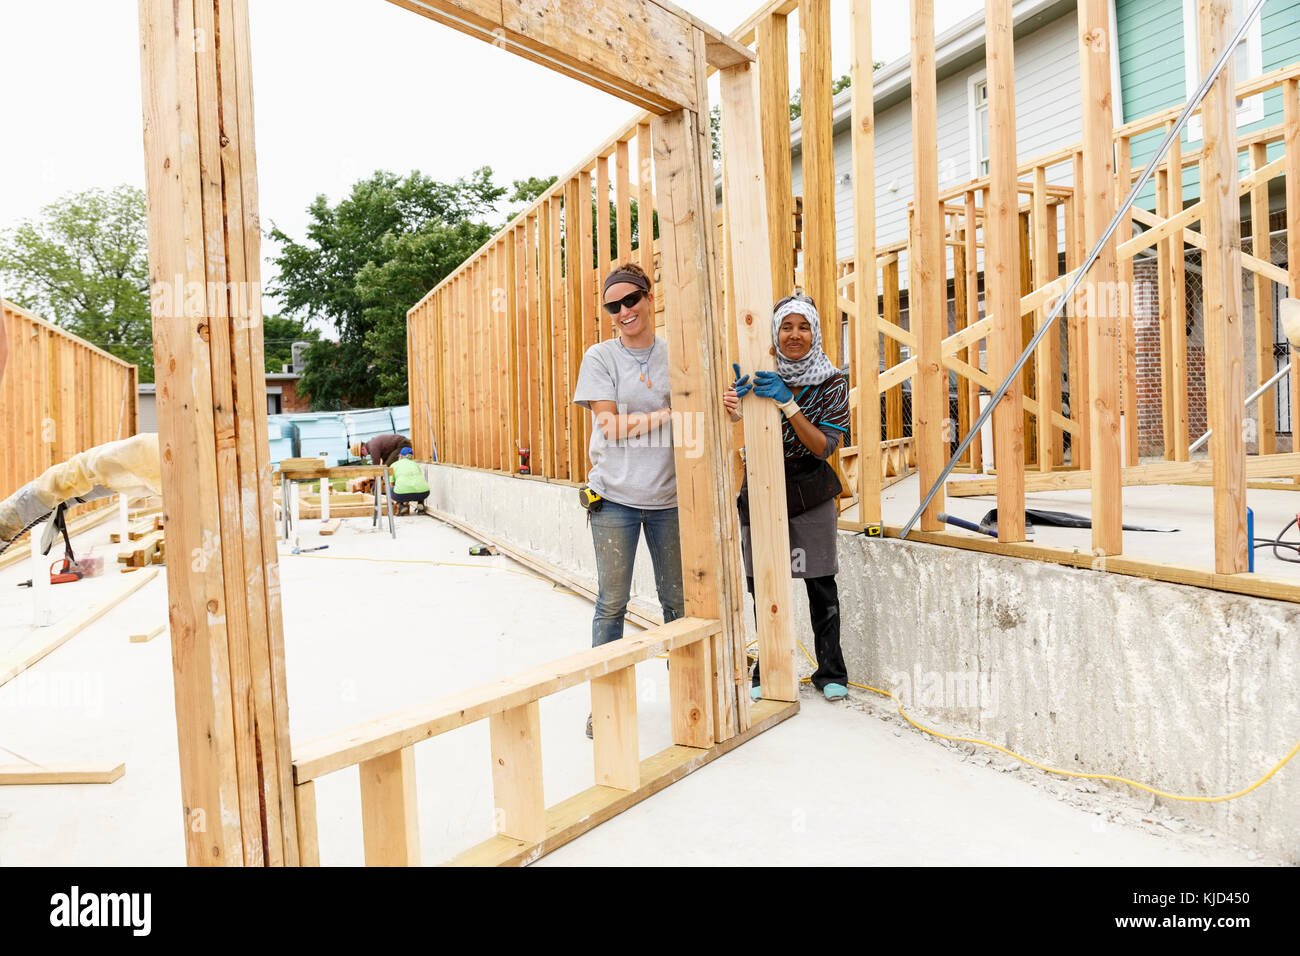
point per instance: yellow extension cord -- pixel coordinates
(884, 693)
(1066, 773)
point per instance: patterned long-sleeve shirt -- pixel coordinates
(826, 406)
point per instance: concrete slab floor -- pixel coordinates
(1189, 508)
(375, 625)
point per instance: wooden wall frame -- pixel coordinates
(226, 622)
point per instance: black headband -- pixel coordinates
(625, 275)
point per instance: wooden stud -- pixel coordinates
(690, 675)
(1046, 374)
(545, 344)
(308, 838)
(603, 258)
(389, 821)
(706, 508)
(961, 321)
(587, 317)
(749, 311)
(623, 197)
(892, 316)
(559, 345)
(1266, 414)
(1291, 147)
(1001, 284)
(1103, 325)
(819, 168)
(517, 772)
(225, 613)
(1079, 393)
(1164, 271)
(971, 353)
(866, 342)
(646, 200)
(1128, 345)
(1221, 265)
(1029, 376)
(538, 384)
(614, 730)
(1178, 311)
(927, 300)
(576, 213)
(515, 322)
(774, 97)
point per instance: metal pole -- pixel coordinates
(1074, 283)
(1250, 398)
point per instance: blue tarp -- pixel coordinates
(328, 435)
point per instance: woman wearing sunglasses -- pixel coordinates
(623, 382)
(814, 401)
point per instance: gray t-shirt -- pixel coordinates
(636, 472)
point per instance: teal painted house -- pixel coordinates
(1158, 68)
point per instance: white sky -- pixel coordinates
(341, 88)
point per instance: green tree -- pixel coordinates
(527, 190)
(364, 262)
(84, 266)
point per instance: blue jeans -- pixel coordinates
(615, 530)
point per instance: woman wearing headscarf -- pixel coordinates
(623, 382)
(813, 397)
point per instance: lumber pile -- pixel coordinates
(151, 549)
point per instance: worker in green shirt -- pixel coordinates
(408, 485)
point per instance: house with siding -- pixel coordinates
(1157, 46)
(1153, 68)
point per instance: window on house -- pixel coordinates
(980, 128)
(1248, 62)
(272, 404)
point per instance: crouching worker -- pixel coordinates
(814, 401)
(409, 487)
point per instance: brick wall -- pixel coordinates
(290, 400)
(1147, 337)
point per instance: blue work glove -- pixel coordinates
(769, 385)
(741, 385)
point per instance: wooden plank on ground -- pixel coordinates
(30, 775)
(147, 636)
(44, 640)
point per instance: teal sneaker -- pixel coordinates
(835, 691)
(756, 693)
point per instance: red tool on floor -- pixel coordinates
(67, 572)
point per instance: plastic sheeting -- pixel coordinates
(129, 466)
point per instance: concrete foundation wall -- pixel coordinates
(1188, 690)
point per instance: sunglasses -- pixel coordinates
(629, 300)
